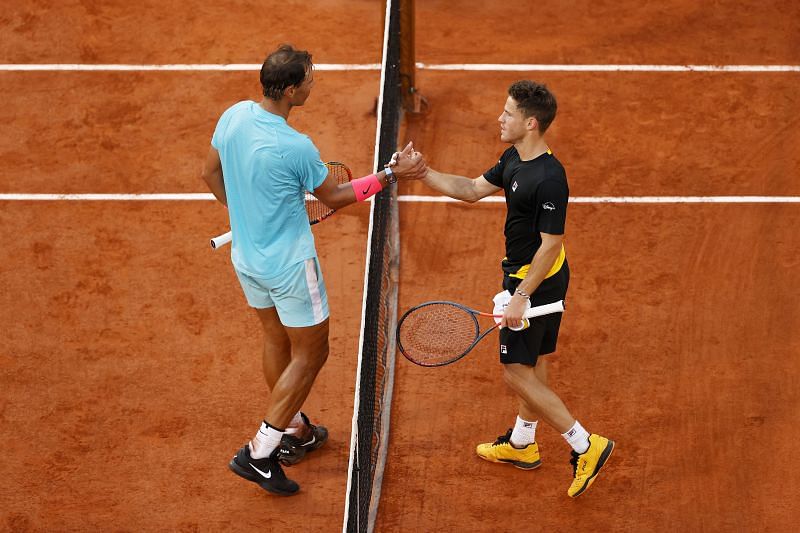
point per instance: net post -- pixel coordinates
(407, 67)
(413, 101)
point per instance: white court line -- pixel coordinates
(632, 199)
(175, 67)
(489, 67)
(498, 67)
(9, 197)
(107, 197)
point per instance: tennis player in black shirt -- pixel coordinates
(535, 272)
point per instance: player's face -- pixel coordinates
(302, 91)
(513, 124)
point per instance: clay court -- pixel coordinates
(130, 365)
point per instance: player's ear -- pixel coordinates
(533, 124)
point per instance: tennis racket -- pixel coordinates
(439, 333)
(317, 211)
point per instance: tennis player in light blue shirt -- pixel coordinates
(260, 168)
(273, 165)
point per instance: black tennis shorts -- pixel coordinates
(541, 337)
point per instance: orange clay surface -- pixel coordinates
(130, 363)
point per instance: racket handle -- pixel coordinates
(539, 310)
(524, 324)
(221, 240)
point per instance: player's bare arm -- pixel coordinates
(459, 187)
(542, 262)
(212, 174)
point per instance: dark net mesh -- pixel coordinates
(380, 314)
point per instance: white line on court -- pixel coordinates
(488, 67)
(171, 197)
(610, 68)
(175, 67)
(632, 199)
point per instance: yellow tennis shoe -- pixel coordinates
(587, 465)
(501, 451)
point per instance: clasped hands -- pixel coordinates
(408, 164)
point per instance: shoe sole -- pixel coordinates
(519, 464)
(241, 472)
(600, 463)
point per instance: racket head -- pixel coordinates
(318, 211)
(437, 333)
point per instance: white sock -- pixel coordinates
(524, 433)
(577, 437)
(295, 425)
(266, 440)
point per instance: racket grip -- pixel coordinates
(524, 324)
(539, 310)
(221, 240)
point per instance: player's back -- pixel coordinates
(267, 166)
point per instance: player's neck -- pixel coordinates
(531, 147)
(282, 107)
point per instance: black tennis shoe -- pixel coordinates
(293, 447)
(266, 472)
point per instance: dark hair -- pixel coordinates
(285, 67)
(534, 99)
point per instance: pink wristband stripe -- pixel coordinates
(366, 187)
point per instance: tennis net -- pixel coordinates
(375, 375)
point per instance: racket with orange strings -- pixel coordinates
(439, 333)
(316, 210)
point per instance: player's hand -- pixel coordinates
(409, 164)
(512, 315)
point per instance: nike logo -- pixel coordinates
(312, 441)
(365, 191)
(549, 206)
(265, 475)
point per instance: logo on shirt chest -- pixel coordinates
(514, 187)
(549, 206)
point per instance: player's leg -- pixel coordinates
(302, 304)
(524, 431)
(589, 451)
(308, 354)
(301, 435)
(257, 461)
(277, 348)
(537, 396)
(260, 460)
(518, 446)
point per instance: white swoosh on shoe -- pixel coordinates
(266, 476)
(312, 441)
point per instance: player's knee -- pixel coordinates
(315, 359)
(511, 378)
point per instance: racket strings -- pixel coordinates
(316, 209)
(437, 333)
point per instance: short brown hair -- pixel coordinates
(536, 100)
(283, 68)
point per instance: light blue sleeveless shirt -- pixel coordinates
(267, 167)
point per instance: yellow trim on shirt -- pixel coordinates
(559, 262)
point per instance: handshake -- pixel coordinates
(408, 164)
